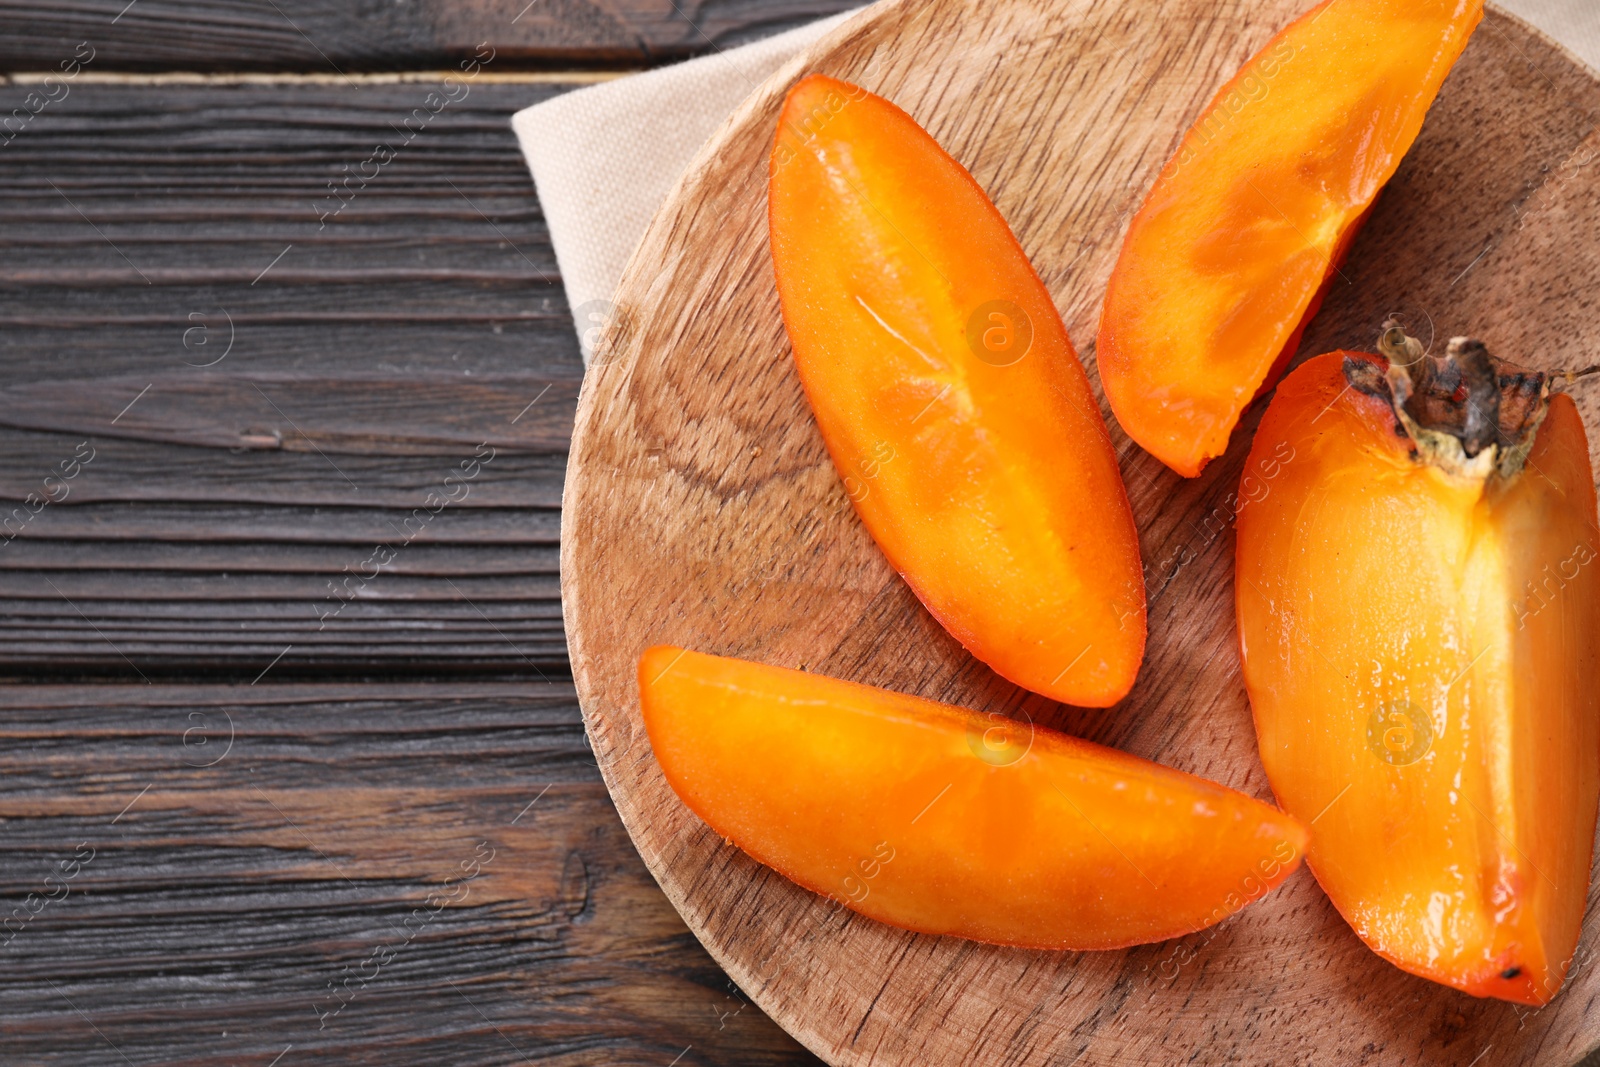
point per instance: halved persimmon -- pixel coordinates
(941, 820)
(1419, 617)
(1235, 244)
(950, 397)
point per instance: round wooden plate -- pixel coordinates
(702, 510)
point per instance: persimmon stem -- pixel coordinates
(1398, 347)
(1570, 376)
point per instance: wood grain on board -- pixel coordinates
(702, 510)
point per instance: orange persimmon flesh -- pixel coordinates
(944, 821)
(1234, 245)
(950, 398)
(1420, 649)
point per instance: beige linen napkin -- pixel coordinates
(604, 158)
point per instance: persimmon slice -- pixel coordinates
(950, 397)
(1419, 616)
(1235, 244)
(945, 821)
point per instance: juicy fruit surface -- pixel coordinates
(950, 397)
(1421, 656)
(1247, 221)
(946, 821)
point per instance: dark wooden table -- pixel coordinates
(292, 769)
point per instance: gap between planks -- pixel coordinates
(190, 77)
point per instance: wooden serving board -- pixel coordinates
(702, 510)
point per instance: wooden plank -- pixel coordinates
(250, 419)
(377, 874)
(319, 36)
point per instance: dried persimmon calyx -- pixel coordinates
(1466, 412)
